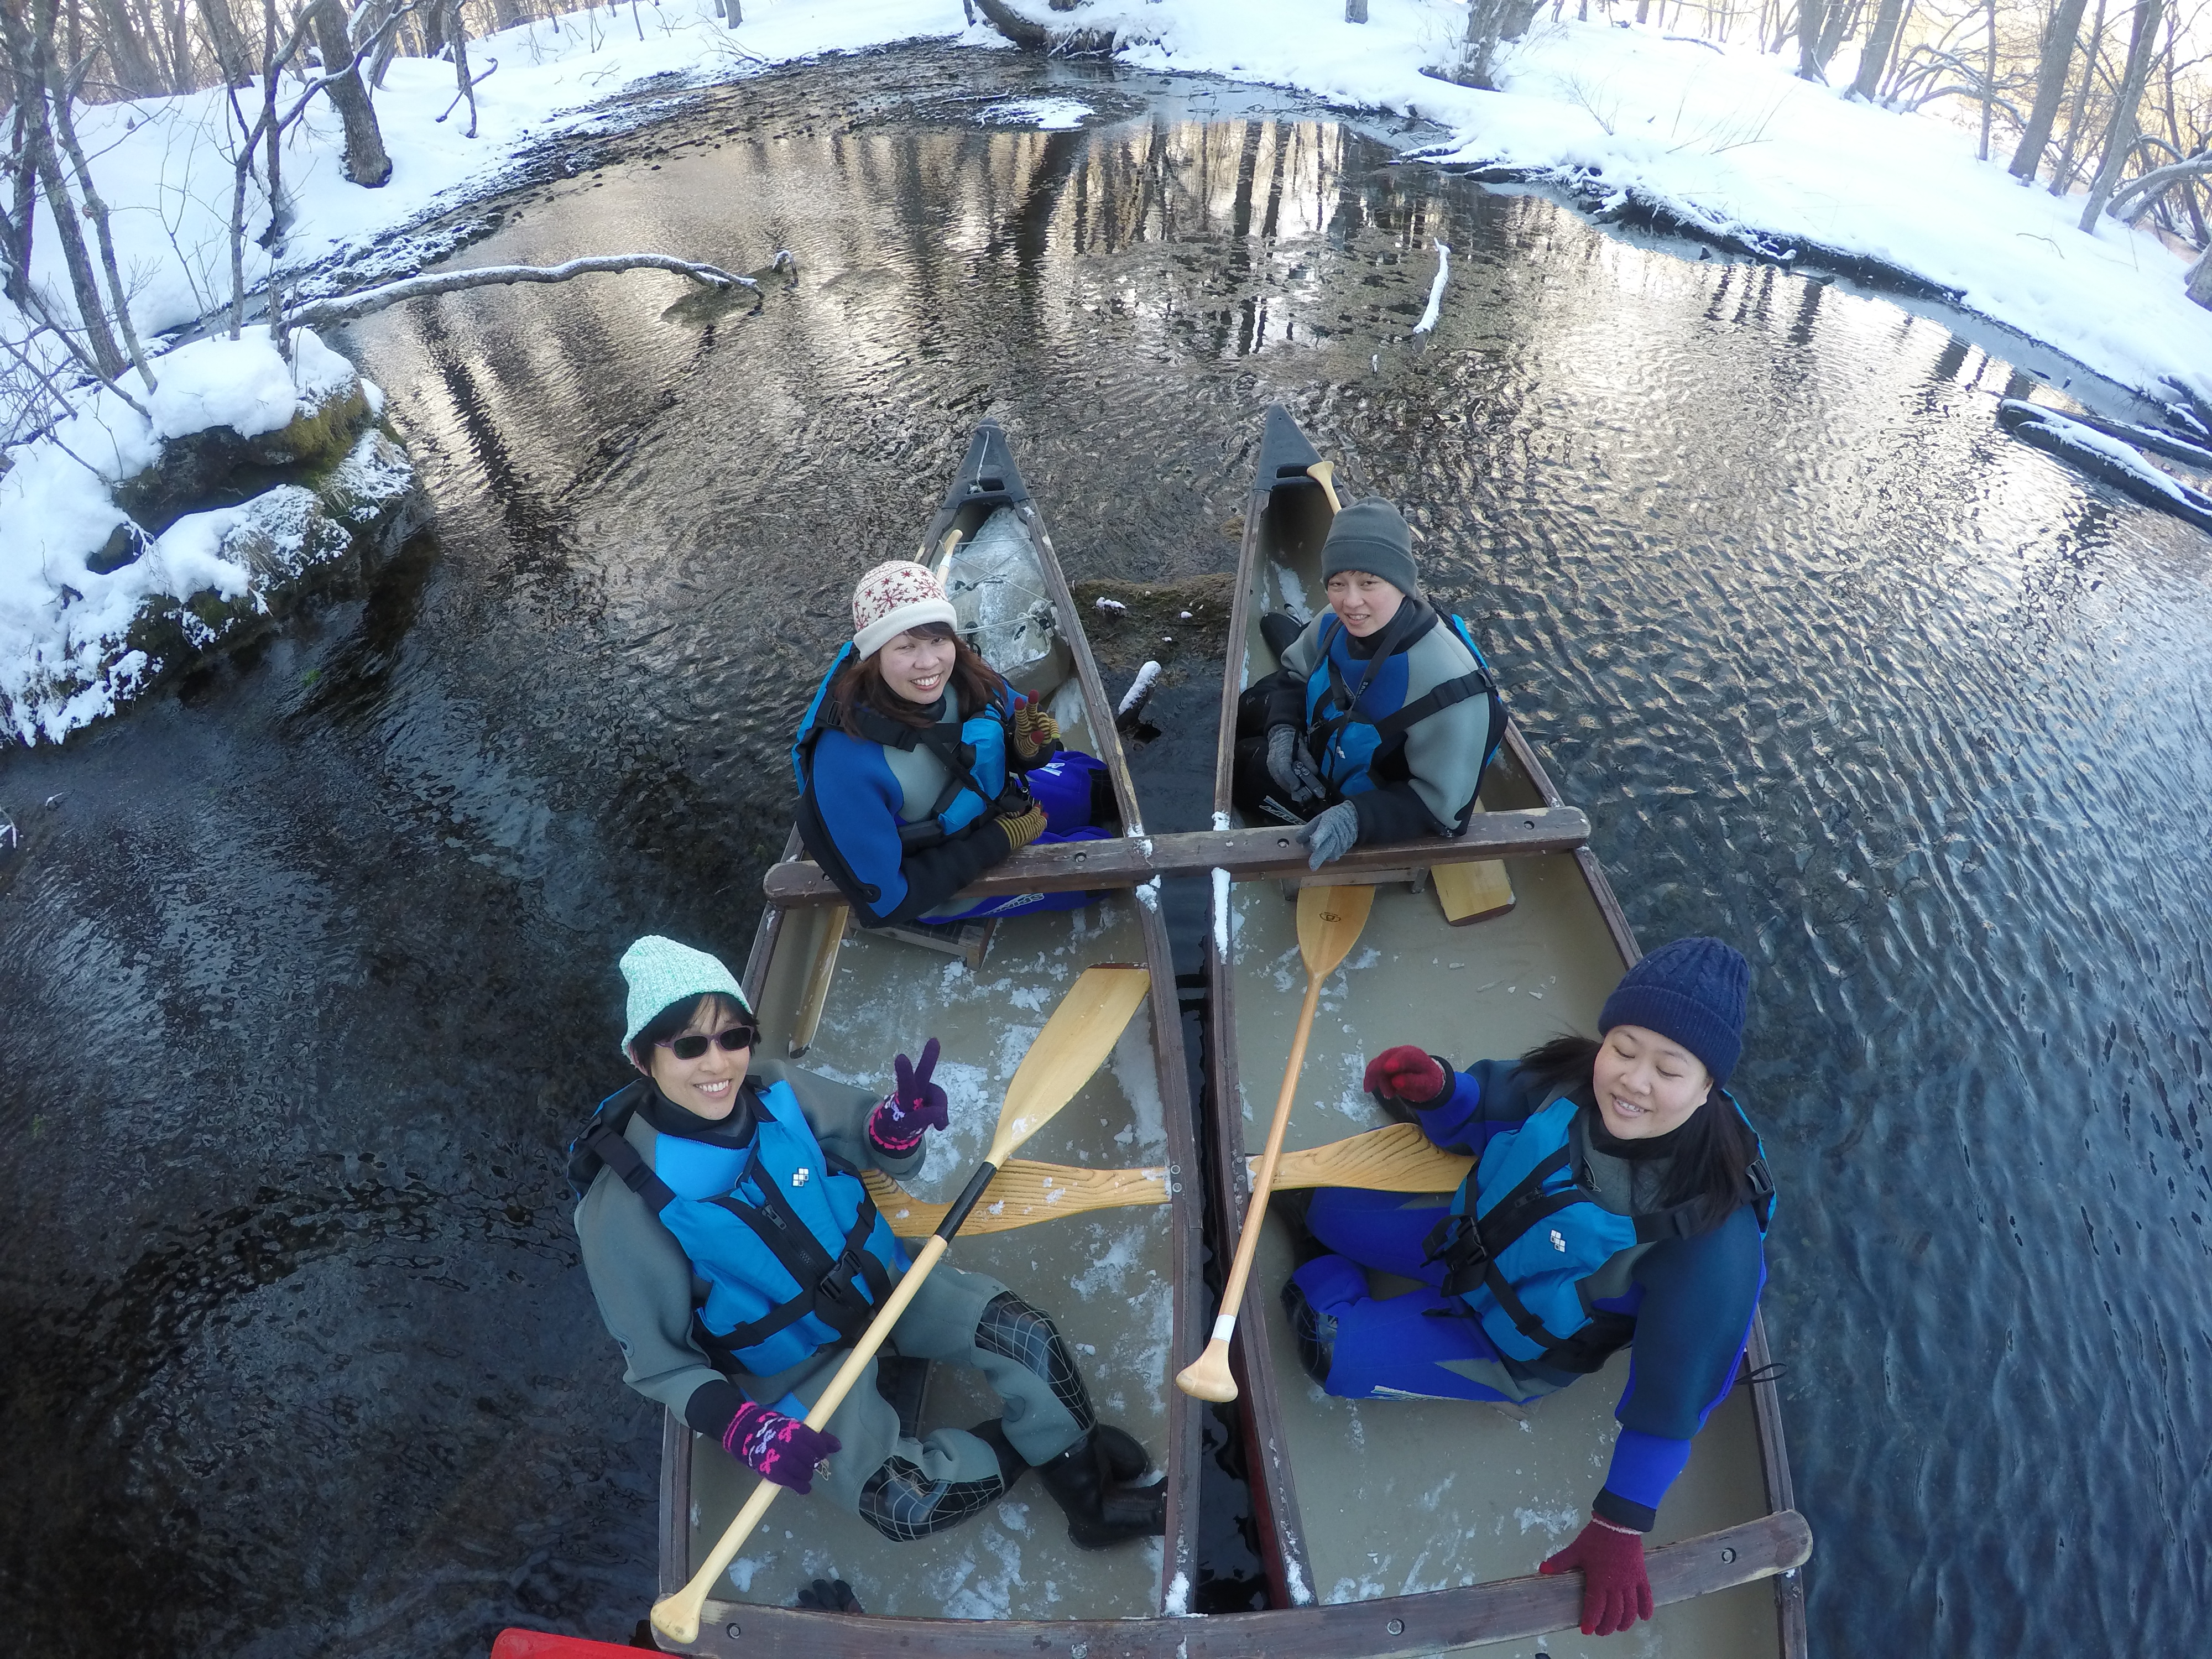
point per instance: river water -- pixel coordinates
(310, 962)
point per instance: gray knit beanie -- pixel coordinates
(662, 973)
(1372, 536)
(1691, 992)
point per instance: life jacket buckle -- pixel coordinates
(1456, 1243)
(1760, 1179)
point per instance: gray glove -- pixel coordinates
(1331, 834)
(1291, 766)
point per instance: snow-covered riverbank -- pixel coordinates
(1726, 140)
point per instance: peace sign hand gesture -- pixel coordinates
(917, 1104)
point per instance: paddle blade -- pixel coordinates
(1329, 921)
(1074, 1044)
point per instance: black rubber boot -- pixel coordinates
(1012, 1464)
(1127, 1460)
(1101, 1511)
(1281, 631)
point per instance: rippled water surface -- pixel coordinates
(310, 964)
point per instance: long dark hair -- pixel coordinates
(860, 684)
(1714, 1148)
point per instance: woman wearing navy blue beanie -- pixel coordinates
(1619, 1195)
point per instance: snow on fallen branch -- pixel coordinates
(2104, 458)
(347, 307)
(2153, 184)
(1436, 289)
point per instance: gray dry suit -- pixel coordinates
(1424, 784)
(906, 1488)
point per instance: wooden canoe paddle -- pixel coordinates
(1074, 1044)
(1329, 920)
(1394, 1158)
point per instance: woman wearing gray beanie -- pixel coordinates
(716, 1169)
(1383, 716)
(1619, 1196)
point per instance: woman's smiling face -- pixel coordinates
(1364, 603)
(1646, 1085)
(915, 666)
(707, 1086)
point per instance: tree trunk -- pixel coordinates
(2050, 89)
(2200, 280)
(1842, 18)
(1485, 21)
(1811, 13)
(1867, 81)
(230, 53)
(30, 44)
(2062, 174)
(1989, 84)
(1355, 11)
(2120, 135)
(365, 163)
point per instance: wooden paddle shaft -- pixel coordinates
(1324, 474)
(1207, 1377)
(678, 1616)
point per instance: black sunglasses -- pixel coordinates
(691, 1045)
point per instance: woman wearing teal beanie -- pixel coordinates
(719, 1169)
(1618, 1196)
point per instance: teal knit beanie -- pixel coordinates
(662, 973)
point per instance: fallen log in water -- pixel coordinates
(2104, 458)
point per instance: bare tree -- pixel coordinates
(1883, 37)
(364, 161)
(2050, 79)
(2120, 135)
(2062, 176)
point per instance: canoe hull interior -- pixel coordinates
(1363, 1501)
(1115, 1281)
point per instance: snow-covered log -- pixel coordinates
(1031, 23)
(345, 309)
(2142, 437)
(2133, 199)
(2106, 460)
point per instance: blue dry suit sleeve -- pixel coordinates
(855, 800)
(1482, 1100)
(1694, 1317)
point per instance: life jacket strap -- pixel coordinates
(829, 1290)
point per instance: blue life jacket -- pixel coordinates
(973, 757)
(794, 1254)
(1357, 713)
(1540, 1232)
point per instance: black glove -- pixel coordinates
(830, 1595)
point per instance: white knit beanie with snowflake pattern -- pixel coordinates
(892, 597)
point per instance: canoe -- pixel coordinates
(1119, 1283)
(1395, 1509)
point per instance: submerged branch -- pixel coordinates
(348, 307)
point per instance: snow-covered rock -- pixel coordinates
(108, 580)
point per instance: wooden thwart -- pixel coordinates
(1396, 1627)
(1247, 855)
(1395, 1158)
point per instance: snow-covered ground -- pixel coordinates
(1728, 139)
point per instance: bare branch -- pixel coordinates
(346, 308)
(2154, 183)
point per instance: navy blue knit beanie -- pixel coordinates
(1691, 992)
(1371, 536)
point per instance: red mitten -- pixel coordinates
(1616, 1592)
(1406, 1073)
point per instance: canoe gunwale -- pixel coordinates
(1397, 1627)
(1273, 1485)
(798, 1631)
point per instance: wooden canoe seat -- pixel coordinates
(968, 941)
(1474, 892)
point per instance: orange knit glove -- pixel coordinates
(1036, 734)
(1022, 828)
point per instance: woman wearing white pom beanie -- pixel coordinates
(918, 768)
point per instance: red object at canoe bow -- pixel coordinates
(542, 1644)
